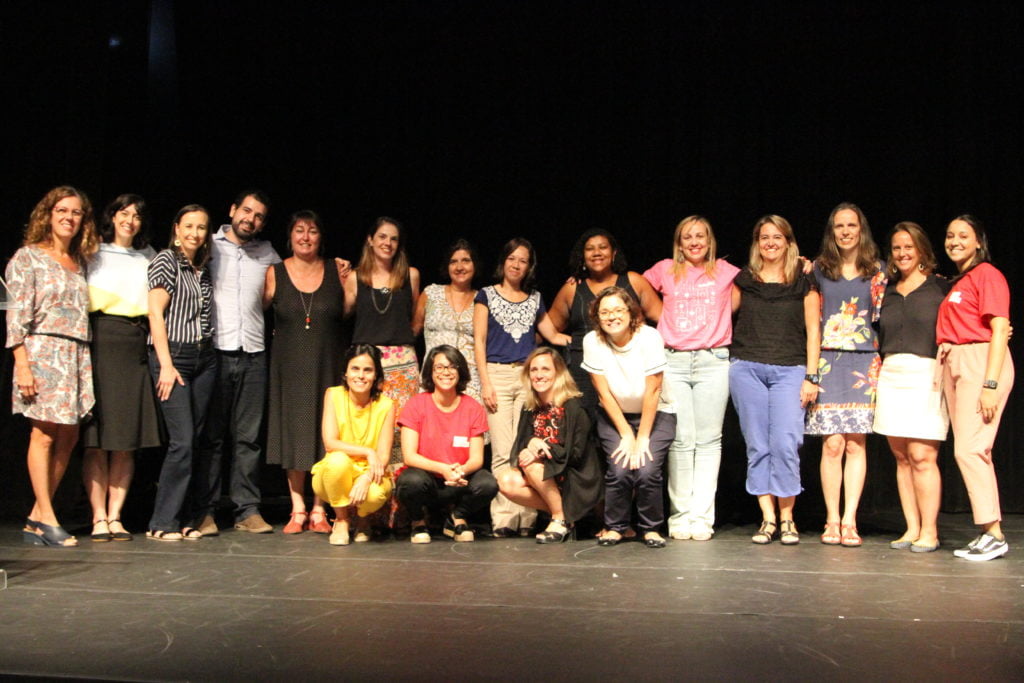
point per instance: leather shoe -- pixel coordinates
(254, 524)
(207, 526)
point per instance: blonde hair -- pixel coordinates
(679, 262)
(791, 266)
(564, 387)
(86, 241)
(399, 262)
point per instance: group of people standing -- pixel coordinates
(146, 348)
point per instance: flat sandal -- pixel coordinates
(765, 534)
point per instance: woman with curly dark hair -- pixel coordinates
(48, 334)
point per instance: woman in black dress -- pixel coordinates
(305, 292)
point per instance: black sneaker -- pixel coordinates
(962, 552)
(987, 548)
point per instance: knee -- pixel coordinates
(335, 464)
(482, 483)
(509, 481)
(833, 446)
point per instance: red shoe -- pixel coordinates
(320, 526)
(295, 527)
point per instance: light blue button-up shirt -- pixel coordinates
(239, 272)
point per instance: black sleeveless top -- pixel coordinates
(579, 312)
(384, 319)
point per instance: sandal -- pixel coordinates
(37, 533)
(121, 535)
(458, 532)
(159, 535)
(320, 526)
(610, 538)
(556, 532)
(789, 534)
(420, 533)
(191, 534)
(765, 533)
(850, 538)
(831, 534)
(652, 539)
(296, 527)
(100, 536)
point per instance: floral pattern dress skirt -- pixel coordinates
(846, 401)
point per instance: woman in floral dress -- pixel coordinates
(48, 334)
(851, 280)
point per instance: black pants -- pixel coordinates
(418, 488)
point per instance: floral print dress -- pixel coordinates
(849, 361)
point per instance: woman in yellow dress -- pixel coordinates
(358, 429)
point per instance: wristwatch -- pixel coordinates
(990, 384)
(813, 379)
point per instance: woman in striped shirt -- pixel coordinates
(181, 360)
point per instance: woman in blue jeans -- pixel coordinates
(773, 376)
(696, 326)
(182, 361)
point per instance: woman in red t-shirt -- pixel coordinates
(972, 331)
(443, 448)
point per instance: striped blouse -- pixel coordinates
(188, 315)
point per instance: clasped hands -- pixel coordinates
(633, 452)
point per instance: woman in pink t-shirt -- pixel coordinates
(972, 331)
(443, 449)
(696, 325)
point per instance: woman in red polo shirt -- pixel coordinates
(972, 331)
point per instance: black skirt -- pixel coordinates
(126, 416)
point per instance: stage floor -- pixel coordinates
(277, 607)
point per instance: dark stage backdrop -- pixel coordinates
(542, 119)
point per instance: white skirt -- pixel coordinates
(909, 404)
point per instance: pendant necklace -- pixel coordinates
(305, 308)
(388, 292)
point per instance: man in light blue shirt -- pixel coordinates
(238, 265)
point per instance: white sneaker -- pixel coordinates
(987, 548)
(680, 534)
(961, 552)
(703, 533)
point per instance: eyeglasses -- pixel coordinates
(443, 369)
(612, 313)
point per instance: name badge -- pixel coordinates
(460, 442)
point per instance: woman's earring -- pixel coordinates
(177, 242)
(920, 266)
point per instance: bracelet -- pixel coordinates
(990, 384)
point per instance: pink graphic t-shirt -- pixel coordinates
(697, 311)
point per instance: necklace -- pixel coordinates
(305, 308)
(387, 291)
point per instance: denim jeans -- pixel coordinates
(184, 413)
(236, 415)
(767, 400)
(699, 384)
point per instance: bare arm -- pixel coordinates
(159, 300)
(349, 290)
(812, 321)
(412, 458)
(332, 435)
(419, 315)
(269, 287)
(23, 373)
(487, 394)
(548, 331)
(736, 298)
(627, 439)
(560, 308)
(414, 280)
(988, 403)
(650, 302)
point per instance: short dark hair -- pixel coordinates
(305, 215)
(636, 314)
(506, 251)
(458, 245)
(106, 230)
(258, 195)
(454, 357)
(373, 352)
